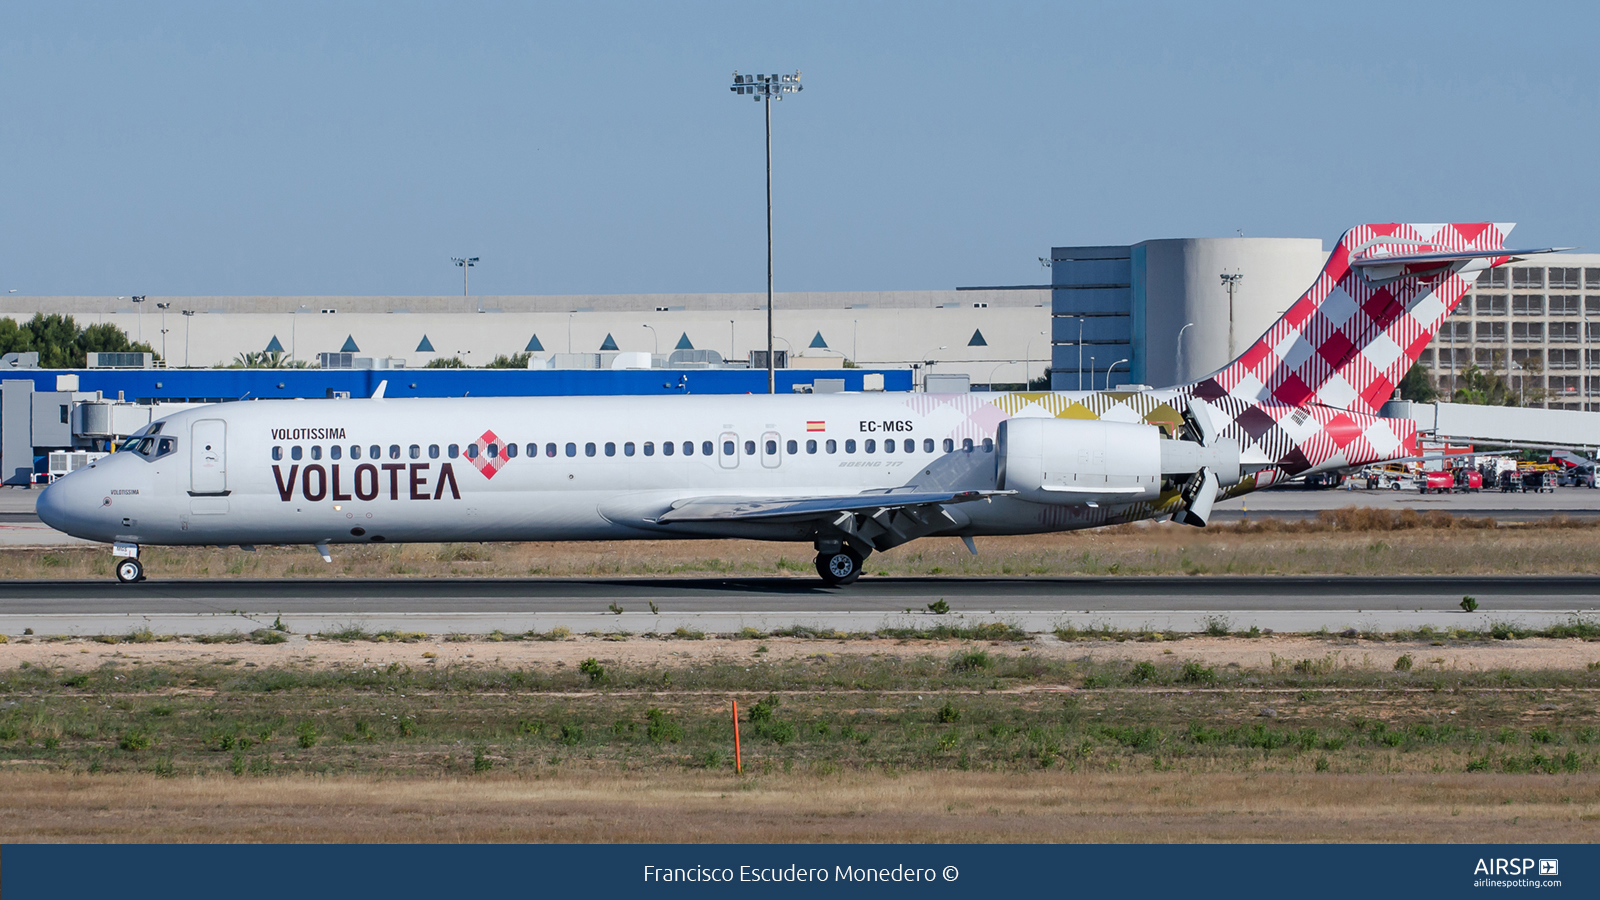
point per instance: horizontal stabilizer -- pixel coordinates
(1408, 259)
(712, 509)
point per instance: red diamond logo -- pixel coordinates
(491, 454)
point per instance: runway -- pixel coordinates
(442, 606)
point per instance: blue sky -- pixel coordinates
(353, 148)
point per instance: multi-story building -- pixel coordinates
(1534, 323)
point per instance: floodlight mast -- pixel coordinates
(768, 88)
(464, 263)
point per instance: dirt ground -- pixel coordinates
(860, 807)
(1248, 653)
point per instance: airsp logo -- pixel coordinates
(1515, 867)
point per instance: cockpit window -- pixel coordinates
(166, 447)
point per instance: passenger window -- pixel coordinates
(668, 448)
(550, 450)
(988, 445)
(949, 445)
(728, 449)
(494, 451)
(415, 451)
(872, 446)
(966, 445)
(277, 453)
(394, 451)
(572, 449)
(688, 448)
(888, 445)
(335, 451)
(588, 449)
(295, 452)
(453, 451)
(316, 451)
(793, 448)
(511, 451)
(749, 448)
(707, 448)
(627, 449)
(533, 451)
(355, 451)
(811, 446)
(649, 448)
(472, 451)
(850, 446)
(832, 446)
(611, 449)
(374, 452)
(433, 451)
(927, 445)
(772, 448)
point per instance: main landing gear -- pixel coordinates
(839, 567)
(128, 568)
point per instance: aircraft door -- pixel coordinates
(208, 460)
(728, 450)
(771, 449)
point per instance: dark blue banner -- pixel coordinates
(30, 872)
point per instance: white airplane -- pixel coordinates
(850, 474)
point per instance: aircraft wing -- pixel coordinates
(723, 509)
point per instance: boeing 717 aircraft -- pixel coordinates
(849, 474)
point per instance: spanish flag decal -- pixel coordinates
(816, 426)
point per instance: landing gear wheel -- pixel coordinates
(129, 571)
(839, 568)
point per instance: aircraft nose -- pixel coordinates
(52, 505)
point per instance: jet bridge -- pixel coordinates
(1505, 425)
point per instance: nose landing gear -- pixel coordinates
(129, 571)
(128, 568)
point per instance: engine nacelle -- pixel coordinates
(1077, 461)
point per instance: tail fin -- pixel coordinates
(1379, 301)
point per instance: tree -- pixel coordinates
(447, 362)
(1417, 386)
(514, 361)
(275, 359)
(1484, 389)
(61, 344)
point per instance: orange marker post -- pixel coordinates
(738, 762)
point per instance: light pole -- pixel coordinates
(465, 263)
(294, 331)
(1231, 282)
(163, 307)
(188, 315)
(1027, 362)
(1009, 362)
(1110, 367)
(655, 342)
(1180, 377)
(139, 310)
(730, 339)
(767, 88)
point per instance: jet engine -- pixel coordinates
(1083, 461)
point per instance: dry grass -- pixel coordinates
(1218, 739)
(1356, 541)
(859, 807)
